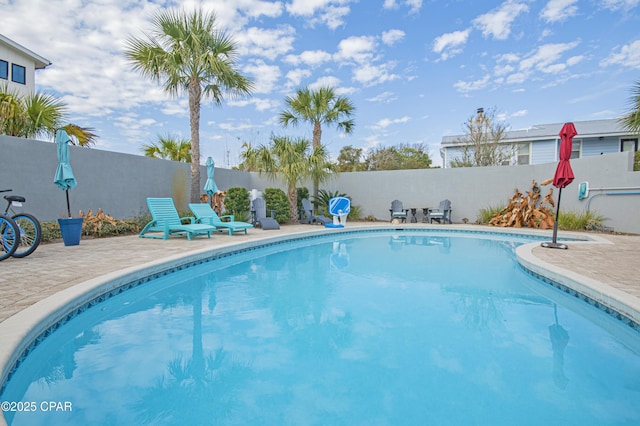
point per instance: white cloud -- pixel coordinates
(312, 58)
(546, 56)
(260, 104)
(371, 75)
(392, 36)
(620, 4)
(497, 23)
(627, 56)
(384, 97)
(559, 10)
(294, 77)
(386, 122)
(414, 5)
(469, 86)
(328, 12)
(448, 45)
(265, 76)
(356, 48)
(326, 81)
(268, 43)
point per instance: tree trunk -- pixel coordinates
(292, 194)
(317, 140)
(195, 94)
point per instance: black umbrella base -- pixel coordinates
(554, 245)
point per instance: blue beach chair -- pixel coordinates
(205, 214)
(167, 222)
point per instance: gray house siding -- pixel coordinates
(597, 137)
(597, 146)
(543, 152)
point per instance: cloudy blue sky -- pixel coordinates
(416, 70)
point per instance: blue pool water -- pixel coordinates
(386, 328)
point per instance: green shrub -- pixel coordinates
(576, 221)
(636, 162)
(277, 200)
(486, 214)
(237, 203)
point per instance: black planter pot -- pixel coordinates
(71, 230)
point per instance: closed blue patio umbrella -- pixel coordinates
(210, 186)
(64, 178)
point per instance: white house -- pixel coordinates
(540, 143)
(18, 66)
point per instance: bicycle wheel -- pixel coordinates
(30, 234)
(9, 237)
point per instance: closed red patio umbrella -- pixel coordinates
(563, 177)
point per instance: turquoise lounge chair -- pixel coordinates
(205, 214)
(167, 222)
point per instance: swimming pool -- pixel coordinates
(375, 328)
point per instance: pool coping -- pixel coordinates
(19, 332)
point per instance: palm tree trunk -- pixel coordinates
(317, 140)
(195, 93)
(292, 194)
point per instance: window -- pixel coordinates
(524, 153)
(18, 74)
(628, 145)
(4, 70)
(575, 148)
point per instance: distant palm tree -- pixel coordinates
(186, 52)
(318, 107)
(38, 115)
(169, 147)
(292, 160)
(631, 120)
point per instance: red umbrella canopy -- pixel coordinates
(564, 174)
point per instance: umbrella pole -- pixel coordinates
(555, 222)
(554, 243)
(68, 205)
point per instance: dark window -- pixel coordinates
(4, 70)
(18, 74)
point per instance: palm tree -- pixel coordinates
(186, 52)
(292, 160)
(169, 147)
(631, 120)
(318, 107)
(38, 115)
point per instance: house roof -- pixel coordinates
(592, 128)
(39, 61)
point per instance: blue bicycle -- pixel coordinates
(9, 237)
(29, 230)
